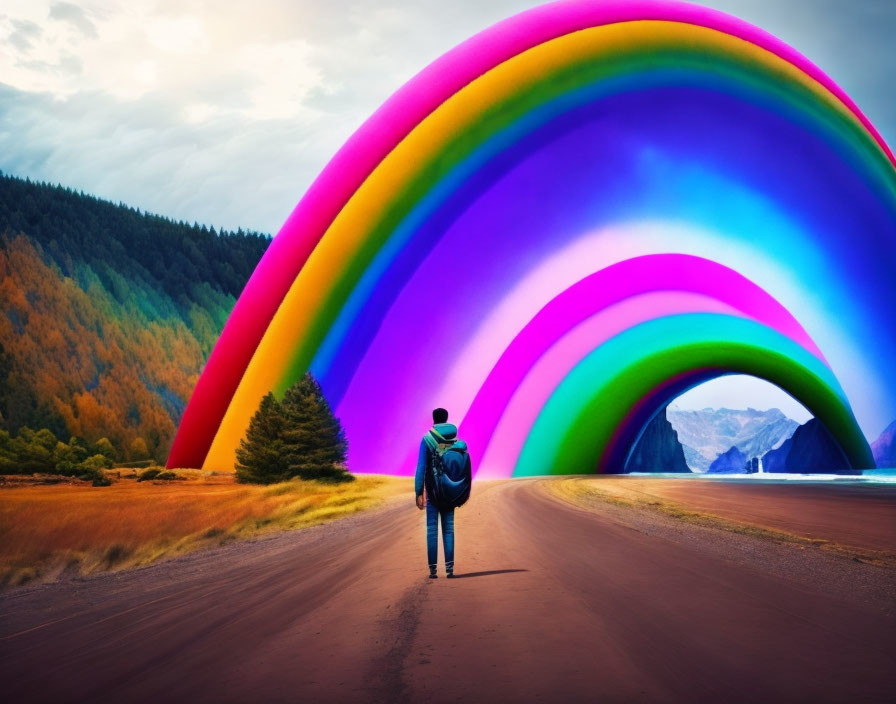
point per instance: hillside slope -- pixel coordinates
(108, 314)
(658, 449)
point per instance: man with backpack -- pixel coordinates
(444, 470)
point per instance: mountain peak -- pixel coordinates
(710, 432)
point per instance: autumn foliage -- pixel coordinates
(108, 315)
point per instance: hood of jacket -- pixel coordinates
(441, 433)
(444, 432)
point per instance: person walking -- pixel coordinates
(445, 472)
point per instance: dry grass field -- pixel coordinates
(48, 530)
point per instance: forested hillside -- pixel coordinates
(108, 314)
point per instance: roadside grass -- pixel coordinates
(584, 491)
(48, 530)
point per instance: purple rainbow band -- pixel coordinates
(378, 136)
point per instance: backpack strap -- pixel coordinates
(436, 443)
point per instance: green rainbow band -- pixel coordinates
(576, 427)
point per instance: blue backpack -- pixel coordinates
(449, 482)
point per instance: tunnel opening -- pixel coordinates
(733, 424)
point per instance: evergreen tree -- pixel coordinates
(261, 458)
(314, 440)
(297, 437)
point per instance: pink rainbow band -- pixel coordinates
(545, 375)
(592, 310)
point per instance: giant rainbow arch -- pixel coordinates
(562, 224)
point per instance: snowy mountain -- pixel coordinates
(811, 448)
(709, 432)
(658, 449)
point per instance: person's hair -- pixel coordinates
(440, 415)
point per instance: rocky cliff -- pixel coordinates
(709, 432)
(884, 448)
(658, 449)
(810, 449)
(732, 461)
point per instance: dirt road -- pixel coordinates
(555, 603)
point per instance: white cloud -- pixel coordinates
(224, 112)
(283, 75)
(740, 391)
(178, 35)
(75, 16)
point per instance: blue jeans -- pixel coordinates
(432, 536)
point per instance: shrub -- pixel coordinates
(139, 450)
(105, 448)
(156, 473)
(90, 475)
(33, 452)
(39, 452)
(68, 469)
(97, 462)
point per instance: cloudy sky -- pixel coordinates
(224, 112)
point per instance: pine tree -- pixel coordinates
(296, 437)
(314, 441)
(261, 457)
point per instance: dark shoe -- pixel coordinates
(450, 575)
(432, 573)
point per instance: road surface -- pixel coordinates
(556, 603)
